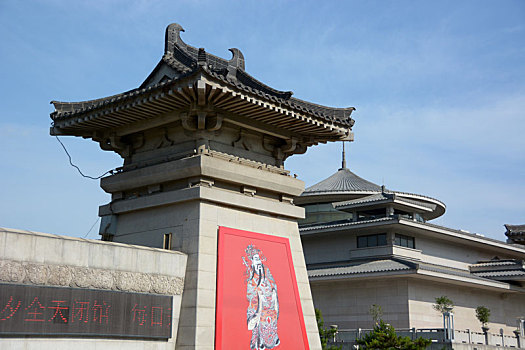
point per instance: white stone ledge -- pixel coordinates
(203, 193)
(203, 165)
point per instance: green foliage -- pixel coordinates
(483, 315)
(443, 304)
(384, 337)
(376, 311)
(325, 334)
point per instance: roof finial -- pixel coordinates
(343, 165)
(201, 57)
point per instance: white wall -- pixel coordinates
(347, 303)
(46, 252)
(504, 307)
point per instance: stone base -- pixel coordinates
(193, 215)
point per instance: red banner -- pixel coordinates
(258, 304)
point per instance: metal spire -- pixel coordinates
(343, 165)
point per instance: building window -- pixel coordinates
(167, 241)
(405, 241)
(371, 240)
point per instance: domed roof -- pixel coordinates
(342, 181)
(344, 185)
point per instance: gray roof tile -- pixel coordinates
(187, 60)
(342, 181)
(389, 196)
(385, 265)
(389, 265)
(501, 274)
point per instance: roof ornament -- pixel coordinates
(201, 57)
(343, 163)
(237, 61)
(173, 38)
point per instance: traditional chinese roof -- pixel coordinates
(360, 267)
(516, 233)
(501, 270)
(342, 181)
(186, 77)
(348, 190)
(388, 266)
(383, 198)
(395, 266)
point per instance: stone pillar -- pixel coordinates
(212, 192)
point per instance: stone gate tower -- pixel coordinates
(203, 144)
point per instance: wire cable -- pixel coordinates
(76, 167)
(91, 228)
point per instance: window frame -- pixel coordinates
(373, 240)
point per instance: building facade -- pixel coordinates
(203, 145)
(365, 245)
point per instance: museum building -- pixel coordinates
(200, 243)
(203, 209)
(365, 244)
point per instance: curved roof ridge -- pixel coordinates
(422, 196)
(184, 60)
(343, 181)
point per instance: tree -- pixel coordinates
(384, 337)
(443, 304)
(376, 311)
(483, 315)
(325, 334)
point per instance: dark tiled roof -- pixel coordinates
(493, 263)
(342, 181)
(384, 265)
(516, 233)
(448, 270)
(389, 196)
(373, 198)
(388, 265)
(515, 229)
(346, 223)
(501, 274)
(502, 270)
(187, 60)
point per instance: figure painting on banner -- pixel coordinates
(263, 303)
(258, 305)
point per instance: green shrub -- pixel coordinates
(443, 304)
(483, 315)
(384, 336)
(376, 311)
(326, 334)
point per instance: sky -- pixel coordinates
(438, 88)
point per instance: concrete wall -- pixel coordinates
(34, 258)
(457, 254)
(346, 303)
(326, 248)
(505, 308)
(407, 303)
(434, 249)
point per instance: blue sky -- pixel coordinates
(438, 86)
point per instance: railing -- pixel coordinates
(348, 337)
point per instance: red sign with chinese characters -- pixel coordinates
(258, 304)
(33, 310)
